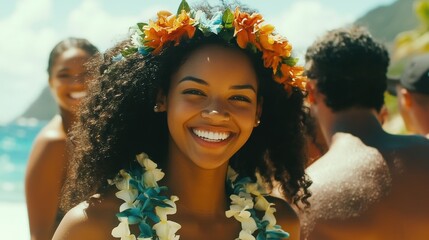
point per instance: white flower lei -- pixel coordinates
(144, 205)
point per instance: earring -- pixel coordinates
(156, 108)
(257, 122)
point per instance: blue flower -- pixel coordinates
(117, 58)
(213, 25)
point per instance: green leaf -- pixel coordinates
(227, 34)
(290, 61)
(141, 25)
(160, 203)
(228, 18)
(261, 236)
(145, 230)
(128, 51)
(183, 6)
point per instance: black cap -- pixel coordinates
(414, 78)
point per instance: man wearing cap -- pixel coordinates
(370, 184)
(412, 91)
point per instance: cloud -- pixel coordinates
(103, 29)
(28, 36)
(305, 20)
(24, 47)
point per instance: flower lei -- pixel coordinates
(249, 31)
(145, 205)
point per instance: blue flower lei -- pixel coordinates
(147, 205)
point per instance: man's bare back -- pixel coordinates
(377, 193)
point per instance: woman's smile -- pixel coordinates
(211, 136)
(77, 95)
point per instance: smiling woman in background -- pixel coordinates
(48, 157)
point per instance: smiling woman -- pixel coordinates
(48, 158)
(199, 93)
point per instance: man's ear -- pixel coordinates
(161, 101)
(406, 98)
(311, 92)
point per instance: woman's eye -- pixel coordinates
(63, 75)
(194, 92)
(241, 98)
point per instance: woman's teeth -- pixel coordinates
(77, 95)
(211, 136)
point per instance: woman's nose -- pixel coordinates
(215, 115)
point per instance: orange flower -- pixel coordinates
(291, 77)
(245, 27)
(273, 47)
(168, 28)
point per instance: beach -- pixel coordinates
(14, 222)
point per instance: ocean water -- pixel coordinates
(16, 140)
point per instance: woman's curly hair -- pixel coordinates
(117, 121)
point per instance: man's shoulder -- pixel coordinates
(413, 141)
(408, 150)
(349, 178)
(347, 150)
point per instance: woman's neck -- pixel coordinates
(67, 119)
(201, 192)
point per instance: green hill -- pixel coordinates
(43, 108)
(386, 22)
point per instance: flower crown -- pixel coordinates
(249, 31)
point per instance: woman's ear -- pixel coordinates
(259, 111)
(161, 101)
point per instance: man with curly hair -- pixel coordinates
(369, 185)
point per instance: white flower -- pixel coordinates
(231, 174)
(123, 231)
(162, 212)
(258, 188)
(252, 188)
(141, 157)
(137, 40)
(166, 230)
(248, 225)
(129, 196)
(238, 209)
(262, 204)
(244, 235)
(152, 174)
(269, 216)
(123, 183)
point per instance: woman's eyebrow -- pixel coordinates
(194, 79)
(201, 81)
(244, 86)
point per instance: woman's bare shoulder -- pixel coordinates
(92, 219)
(48, 157)
(286, 217)
(52, 132)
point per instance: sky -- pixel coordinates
(30, 28)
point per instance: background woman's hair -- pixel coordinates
(117, 121)
(67, 44)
